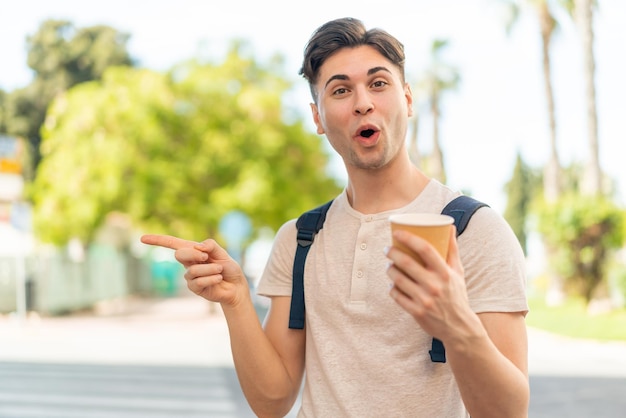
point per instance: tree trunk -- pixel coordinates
(438, 170)
(592, 181)
(551, 176)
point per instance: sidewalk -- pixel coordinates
(555, 355)
(184, 330)
(187, 330)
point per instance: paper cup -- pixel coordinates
(433, 227)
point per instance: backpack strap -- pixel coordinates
(461, 209)
(308, 225)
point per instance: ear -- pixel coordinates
(408, 94)
(316, 119)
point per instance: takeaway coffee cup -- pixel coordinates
(433, 227)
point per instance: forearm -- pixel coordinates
(262, 374)
(490, 384)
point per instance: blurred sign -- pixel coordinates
(236, 228)
(11, 186)
(11, 180)
(21, 216)
(11, 151)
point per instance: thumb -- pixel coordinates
(213, 249)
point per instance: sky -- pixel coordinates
(497, 111)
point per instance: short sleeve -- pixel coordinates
(276, 279)
(494, 263)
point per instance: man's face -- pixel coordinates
(362, 107)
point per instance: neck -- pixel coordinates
(391, 187)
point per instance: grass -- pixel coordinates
(571, 319)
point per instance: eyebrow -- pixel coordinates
(371, 71)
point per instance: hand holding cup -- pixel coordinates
(433, 227)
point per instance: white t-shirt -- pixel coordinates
(365, 355)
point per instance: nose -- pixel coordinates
(362, 103)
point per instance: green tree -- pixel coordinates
(177, 152)
(583, 232)
(520, 190)
(3, 99)
(60, 56)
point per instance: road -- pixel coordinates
(118, 391)
(171, 358)
(577, 397)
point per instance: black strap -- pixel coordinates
(438, 352)
(308, 225)
(461, 209)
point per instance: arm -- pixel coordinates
(492, 375)
(270, 362)
(487, 352)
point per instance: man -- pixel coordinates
(371, 311)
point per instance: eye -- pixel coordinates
(340, 91)
(379, 84)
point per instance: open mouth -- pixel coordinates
(367, 133)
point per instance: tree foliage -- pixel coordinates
(60, 56)
(520, 190)
(583, 232)
(177, 152)
(3, 99)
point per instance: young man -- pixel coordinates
(371, 311)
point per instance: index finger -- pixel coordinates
(167, 241)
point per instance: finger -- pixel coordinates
(203, 270)
(198, 284)
(400, 281)
(166, 241)
(201, 276)
(405, 263)
(411, 297)
(413, 277)
(187, 256)
(400, 297)
(412, 287)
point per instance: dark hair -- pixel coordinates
(346, 33)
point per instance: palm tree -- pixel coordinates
(583, 16)
(552, 175)
(438, 78)
(547, 26)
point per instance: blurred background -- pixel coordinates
(189, 118)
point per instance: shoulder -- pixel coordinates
(434, 197)
(286, 234)
(488, 222)
(487, 230)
